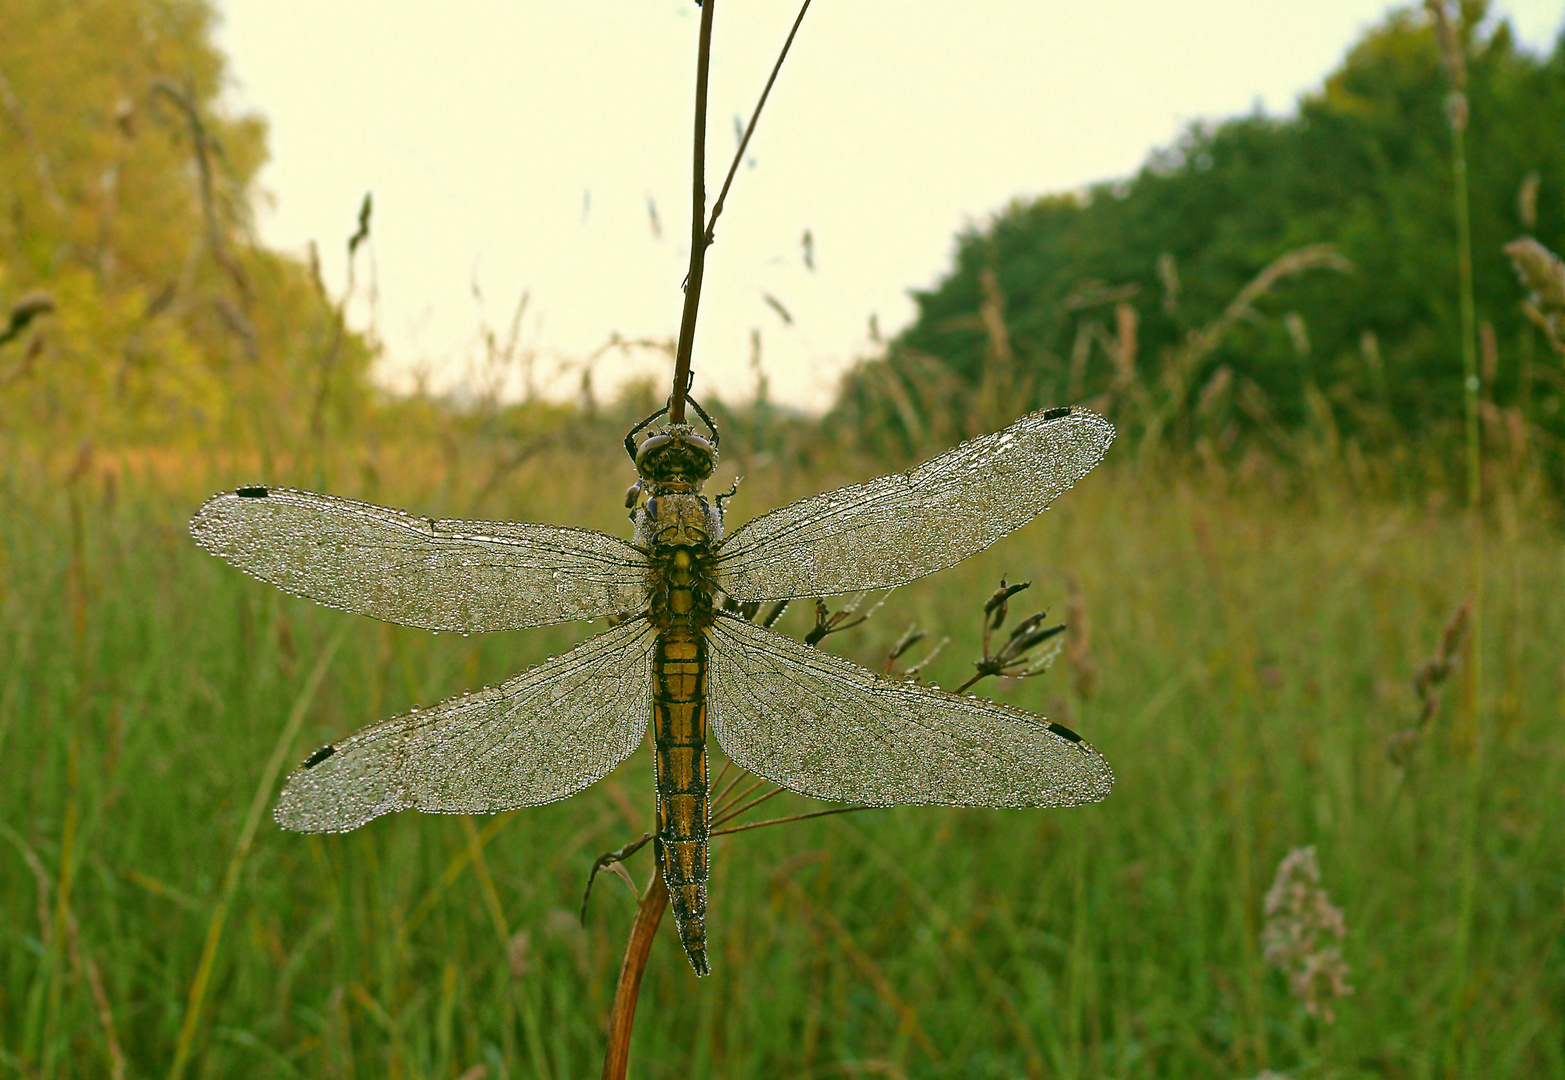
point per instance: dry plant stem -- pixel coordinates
(717, 781)
(717, 207)
(698, 241)
(722, 795)
(701, 235)
(721, 805)
(328, 361)
(1452, 46)
(791, 818)
(13, 107)
(970, 683)
(649, 913)
(726, 815)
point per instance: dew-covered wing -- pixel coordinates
(894, 529)
(464, 576)
(537, 738)
(822, 726)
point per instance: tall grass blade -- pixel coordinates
(236, 862)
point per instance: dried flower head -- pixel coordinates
(1016, 659)
(1450, 39)
(1300, 924)
(1543, 275)
(518, 954)
(1431, 676)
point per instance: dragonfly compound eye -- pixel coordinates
(679, 457)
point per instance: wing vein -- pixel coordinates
(823, 726)
(897, 528)
(465, 576)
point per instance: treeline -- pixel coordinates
(1267, 275)
(1264, 284)
(135, 303)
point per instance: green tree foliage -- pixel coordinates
(125, 200)
(1363, 167)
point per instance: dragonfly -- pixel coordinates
(675, 656)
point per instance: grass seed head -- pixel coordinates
(1302, 926)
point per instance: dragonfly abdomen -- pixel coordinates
(679, 735)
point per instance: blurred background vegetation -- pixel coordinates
(1267, 585)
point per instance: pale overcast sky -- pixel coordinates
(519, 146)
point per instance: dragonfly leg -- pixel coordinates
(630, 436)
(710, 426)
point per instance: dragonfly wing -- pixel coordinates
(894, 529)
(537, 738)
(439, 575)
(825, 727)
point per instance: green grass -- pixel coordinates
(1254, 654)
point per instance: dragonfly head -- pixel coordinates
(676, 458)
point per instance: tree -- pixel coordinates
(125, 199)
(1363, 167)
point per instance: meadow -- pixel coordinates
(1313, 607)
(1243, 652)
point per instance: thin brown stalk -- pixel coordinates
(744, 142)
(791, 818)
(86, 965)
(13, 107)
(739, 775)
(184, 100)
(328, 361)
(649, 913)
(745, 794)
(747, 807)
(718, 782)
(698, 242)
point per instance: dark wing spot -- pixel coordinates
(252, 492)
(1059, 729)
(1055, 414)
(327, 751)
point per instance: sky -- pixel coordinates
(542, 150)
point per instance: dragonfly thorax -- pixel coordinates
(677, 527)
(678, 519)
(679, 530)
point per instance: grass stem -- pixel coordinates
(236, 862)
(1472, 681)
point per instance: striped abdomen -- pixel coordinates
(679, 735)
